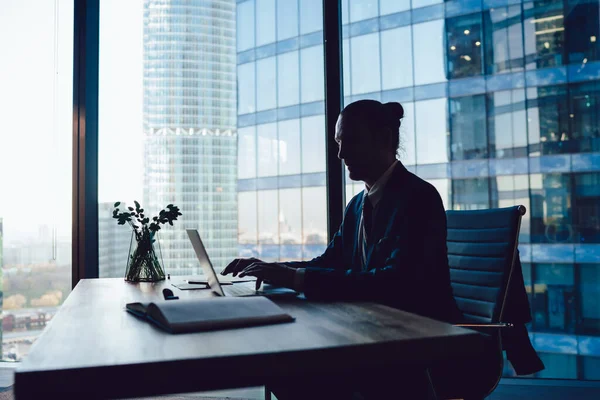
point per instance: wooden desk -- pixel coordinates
(94, 349)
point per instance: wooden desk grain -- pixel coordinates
(94, 349)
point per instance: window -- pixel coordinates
(407, 151)
(586, 219)
(311, 16)
(247, 153)
(266, 97)
(584, 115)
(464, 46)
(246, 88)
(554, 302)
(470, 194)
(289, 145)
(431, 131)
(507, 124)
(551, 208)
(288, 77)
(36, 150)
(429, 54)
(245, 25)
(544, 34)
(313, 144)
(265, 22)
(287, 19)
(548, 120)
(503, 39)
(424, 3)
(582, 23)
(268, 149)
(396, 58)
(365, 63)
(468, 128)
(311, 67)
(290, 224)
(511, 190)
(590, 293)
(393, 6)
(362, 9)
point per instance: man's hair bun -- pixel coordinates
(394, 110)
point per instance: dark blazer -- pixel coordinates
(407, 262)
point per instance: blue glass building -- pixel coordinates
(502, 102)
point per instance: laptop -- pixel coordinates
(239, 289)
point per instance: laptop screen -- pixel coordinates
(209, 271)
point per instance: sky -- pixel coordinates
(36, 73)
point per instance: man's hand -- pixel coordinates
(274, 273)
(237, 265)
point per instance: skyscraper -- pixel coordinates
(190, 140)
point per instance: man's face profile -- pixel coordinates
(355, 146)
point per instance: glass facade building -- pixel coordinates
(501, 102)
(189, 125)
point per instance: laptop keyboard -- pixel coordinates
(240, 289)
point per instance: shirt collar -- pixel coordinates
(376, 192)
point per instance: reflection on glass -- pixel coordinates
(313, 144)
(507, 124)
(468, 128)
(289, 145)
(268, 149)
(396, 58)
(365, 63)
(503, 39)
(246, 88)
(247, 153)
(266, 96)
(470, 194)
(312, 74)
(362, 9)
(584, 100)
(432, 131)
(245, 25)
(544, 34)
(429, 53)
(551, 220)
(548, 120)
(290, 224)
(464, 46)
(288, 79)
(268, 221)
(287, 19)
(265, 22)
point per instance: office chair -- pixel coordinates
(482, 249)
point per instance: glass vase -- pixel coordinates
(143, 264)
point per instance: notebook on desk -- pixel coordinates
(197, 315)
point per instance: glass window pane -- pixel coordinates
(507, 124)
(268, 149)
(289, 145)
(268, 221)
(287, 19)
(586, 218)
(247, 224)
(503, 39)
(396, 58)
(464, 46)
(429, 53)
(313, 144)
(470, 194)
(362, 9)
(554, 300)
(290, 224)
(246, 88)
(311, 16)
(245, 25)
(584, 115)
(36, 80)
(468, 128)
(548, 120)
(265, 22)
(544, 34)
(266, 97)
(393, 6)
(551, 220)
(432, 131)
(311, 64)
(590, 298)
(443, 188)
(366, 75)
(508, 191)
(288, 75)
(314, 221)
(347, 70)
(247, 153)
(424, 3)
(582, 24)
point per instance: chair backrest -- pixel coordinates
(482, 246)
